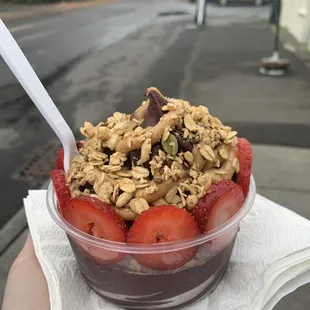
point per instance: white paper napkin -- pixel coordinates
(271, 258)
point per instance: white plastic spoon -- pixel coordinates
(18, 63)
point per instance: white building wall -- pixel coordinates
(295, 16)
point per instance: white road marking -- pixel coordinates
(21, 27)
(34, 36)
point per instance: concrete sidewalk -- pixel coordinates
(216, 67)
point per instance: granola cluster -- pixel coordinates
(166, 152)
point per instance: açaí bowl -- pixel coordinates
(132, 286)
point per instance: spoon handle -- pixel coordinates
(21, 68)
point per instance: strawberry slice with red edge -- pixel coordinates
(221, 202)
(60, 185)
(225, 205)
(245, 157)
(204, 207)
(59, 164)
(106, 208)
(104, 224)
(163, 224)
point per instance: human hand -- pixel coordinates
(26, 286)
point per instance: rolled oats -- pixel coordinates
(124, 174)
(115, 193)
(185, 133)
(205, 180)
(126, 213)
(236, 164)
(193, 173)
(171, 194)
(176, 199)
(191, 202)
(223, 153)
(117, 159)
(216, 177)
(139, 172)
(113, 175)
(145, 151)
(231, 135)
(127, 185)
(207, 152)
(97, 156)
(91, 173)
(105, 192)
(112, 168)
(88, 130)
(143, 185)
(103, 133)
(123, 199)
(98, 182)
(223, 133)
(183, 201)
(121, 128)
(189, 123)
(112, 141)
(138, 205)
(234, 142)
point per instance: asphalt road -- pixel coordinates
(56, 42)
(53, 43)
(52, 40)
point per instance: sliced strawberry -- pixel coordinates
(245, 161)
(225, 206)
(99, 204)
(88, 218)
(201, 213)
(221, 202)
(59, 164)
(205, 205)
(162, 224)
(60, 185)
(60, 160)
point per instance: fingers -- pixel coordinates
(26, 286)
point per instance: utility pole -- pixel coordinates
(200, 17)
(274, 65)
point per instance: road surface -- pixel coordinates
(56, 41)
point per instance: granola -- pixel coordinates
(167, 151)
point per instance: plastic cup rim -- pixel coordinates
(51, 201)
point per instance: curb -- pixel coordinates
(14, 227)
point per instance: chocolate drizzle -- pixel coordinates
(154, 111)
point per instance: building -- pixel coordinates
(295, 16)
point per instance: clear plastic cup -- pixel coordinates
(128, 284)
